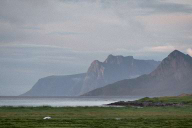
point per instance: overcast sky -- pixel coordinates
(39, 38)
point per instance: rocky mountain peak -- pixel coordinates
(180, 56)
(95, 62)
(95, 66)
(177, 58)
(111, 59)
(175, 54)
(176, 63)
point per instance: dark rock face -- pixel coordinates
(115, 68)
(171, 77)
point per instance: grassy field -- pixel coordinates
(186, 99)
(96, 117)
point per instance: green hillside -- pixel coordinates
(183, 99)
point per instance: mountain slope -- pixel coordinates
(171, 77)
(57, 86)
(115, 68)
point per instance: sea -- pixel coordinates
(16, 101)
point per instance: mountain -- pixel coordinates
(115, 68)
(69, 85)
(171, 77)
(99, 74)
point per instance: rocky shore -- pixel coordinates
(144, 104)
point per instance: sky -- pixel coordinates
(39, 38)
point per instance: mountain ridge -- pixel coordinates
(171, 77)
(115, 68)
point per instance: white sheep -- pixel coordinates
(47, 118)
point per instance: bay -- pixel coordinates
(61, 101)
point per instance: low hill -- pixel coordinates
(184, 100)
(187, 99)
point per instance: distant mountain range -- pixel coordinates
(115, 68)
(172, 77)
(99, 74)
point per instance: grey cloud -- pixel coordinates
(64, 33)
(141, 7)
(148, 7)
(33, 13)
(46, 11)
(157, 6)
(31, 28)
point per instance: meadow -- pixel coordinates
(96, 117)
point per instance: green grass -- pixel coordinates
(172, 99)
(95, 117)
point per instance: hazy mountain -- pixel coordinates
(115, 68)
(172, 77)
(99, 74)
(57, 86)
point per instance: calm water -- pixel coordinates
(61, 101)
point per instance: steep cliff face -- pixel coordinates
(171, 77)
(57, 86)
(115, 68)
